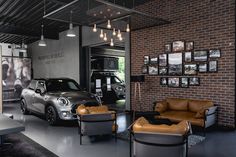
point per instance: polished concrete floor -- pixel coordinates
(63, 140)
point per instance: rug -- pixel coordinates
(192, 139)
(22, 146)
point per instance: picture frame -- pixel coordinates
(167, 48)
(190, 69)
(144, 69)
(154, 60)
(200, 55)
(202, 67)
(184, 82)
(213, 66)
(175, 63)
(153, 70)
(163, 70)
(163, 81)
(189, 45)
(173, 82)
(194, 81)
(214, 53)
(162, 59)
(188, 57)
(146, 60)
(178, 46)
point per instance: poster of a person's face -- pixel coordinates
(178, 46)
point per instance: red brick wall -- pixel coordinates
(210, 24)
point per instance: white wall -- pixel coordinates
(60, 58)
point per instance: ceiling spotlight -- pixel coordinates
(112, 42)
(71, 32)
(108, 24)
(105, 37)
(120, 38)
(118, 34)
(114, 32)
(108, 9)
(127, 28)
(101, 12)
(94, 28)
(101, 34)
(118, 13)
(42, 41)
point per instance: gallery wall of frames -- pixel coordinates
(180, 64)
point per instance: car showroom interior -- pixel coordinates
(117, 78)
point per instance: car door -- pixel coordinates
(29, 94)
(39, 102)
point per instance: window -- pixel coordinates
(32, 85)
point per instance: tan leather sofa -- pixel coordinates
(96, 120)
(200, 113)
(160, 140)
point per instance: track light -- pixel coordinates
(94, 28)
(109, 24)
(127, 28)
(42, 41)
(105, 37)
(112, 42)
(71, 32)
(101, 34)
(114, 32)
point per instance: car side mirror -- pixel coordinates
(38, 91)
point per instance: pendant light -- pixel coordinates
(101, 34)
(42, 41)
(119, 34)
(109, 24)
(71, 32)
(127, 28)
(120, 38)
(114, 32)
(94, 28)
(105, 37)
(112, 42)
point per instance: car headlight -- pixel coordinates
(63, 101)
(119, 88)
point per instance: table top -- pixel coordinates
(8, 125)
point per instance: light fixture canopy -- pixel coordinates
(109, 24)
(94, 28)
(101, 34)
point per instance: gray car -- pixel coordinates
(57, 99)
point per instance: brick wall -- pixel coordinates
(210, 24)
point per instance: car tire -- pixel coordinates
(23, 107)
(51, 115)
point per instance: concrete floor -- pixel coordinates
(64, 140)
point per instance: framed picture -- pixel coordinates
(163, 70)
(163, 59)
(194, 81)
(153, 60)
(163, 81)
(190, 69)
(200, 56)
(202, 68)
(167, 47)
(184, 82)
(175, 61)
(144, 69)
(214, 53)
(213, 66)
(146, 60)
(153, 70)
(187, 56)
(178, 46)
(173, 82)
(189, 46)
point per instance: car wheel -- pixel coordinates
(51, 115)
(23, 107)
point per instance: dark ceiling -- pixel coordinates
(21, 19)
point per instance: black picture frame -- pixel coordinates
(163, 71)
(144, 69)
(178, 46)
(200, 55)
(175, 64)
(189, 45)
(163, 81)
(146, 60)
(194, 81)
(202, 67)
(187, 57)
(153, 60)
(214, 53)
(184, 82)
(153, 69)
(174, 82)
(213, 66)
(190, 69)
(167, 48)
(162, 58)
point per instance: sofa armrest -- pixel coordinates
(160, 106)
(211, 110)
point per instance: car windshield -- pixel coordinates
(62, 85)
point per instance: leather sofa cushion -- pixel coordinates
(177, 104)
(81, 109)
(197, 105)
(142, 125)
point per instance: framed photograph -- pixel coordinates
(167, 47)
(175, 61)
(178, 46)
(153, 60)
(194, 81)
(184, 83)
(187, 56)
(213, 66)
(202, 68)
(163, 70)
(200, 55)
(146, 60)
(190, 69)
(189, 46)
(173, 82)
(163, 81)
(162, 59)
(153, 70)
(145, 69)
(214, 53)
